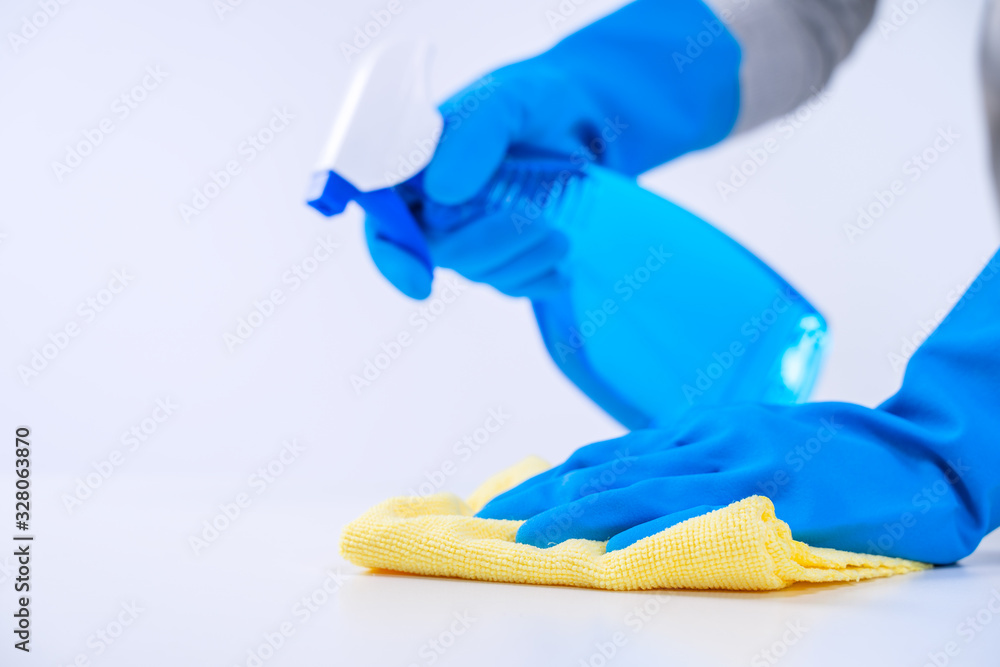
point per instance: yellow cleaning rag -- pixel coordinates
(740, 547)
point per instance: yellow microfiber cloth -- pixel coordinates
(740, 547)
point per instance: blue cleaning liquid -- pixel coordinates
(662, 311)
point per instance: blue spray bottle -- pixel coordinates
(661, 311)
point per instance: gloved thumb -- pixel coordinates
(407, 272)
(479, 126)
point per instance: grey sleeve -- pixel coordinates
(790, 49)
(990, 74)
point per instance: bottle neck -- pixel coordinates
(529, 190)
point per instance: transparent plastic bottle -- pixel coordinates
(662, 311)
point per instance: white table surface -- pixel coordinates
(212, 608)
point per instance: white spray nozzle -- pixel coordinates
(387, 128)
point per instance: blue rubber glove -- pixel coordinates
(649, 82)
(479, 242)
(918, 477)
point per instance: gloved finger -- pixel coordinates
(522, 108)
(621, 473)
(539, 288)
(643, 530)
(472, 145)
(597, 453)
(627, 471)
(484, 245)
(603, 515)
(638, 443)
(406, 272)
(527, 267)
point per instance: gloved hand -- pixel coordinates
(478, 240)
(649, 82)
(918, 477)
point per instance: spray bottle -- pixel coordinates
(661, 310)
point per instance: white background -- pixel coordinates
(162, 337)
